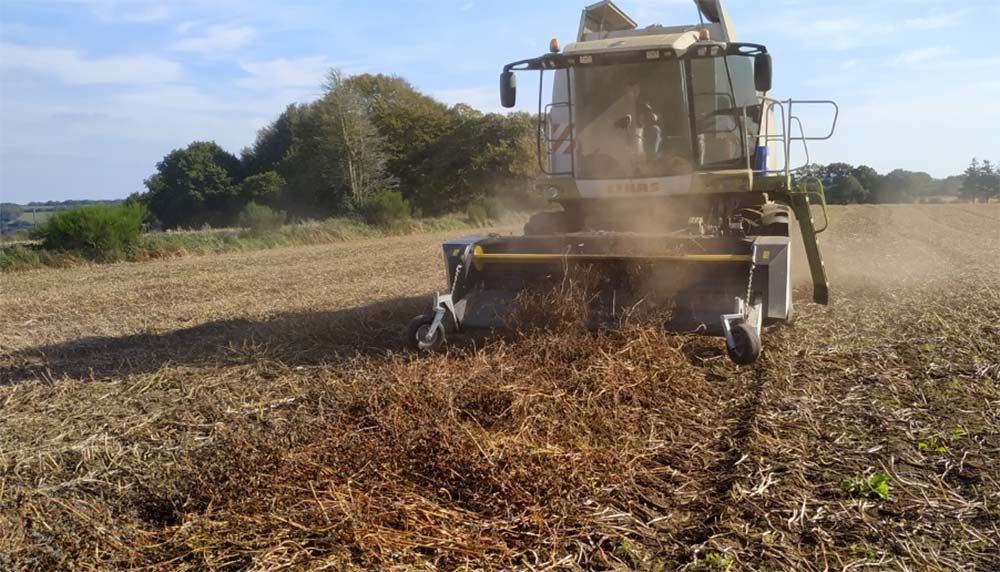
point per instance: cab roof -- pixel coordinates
(678, 42)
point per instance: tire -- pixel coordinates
(416, 331)
(748, 346)
(774, 221)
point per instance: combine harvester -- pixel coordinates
(671, 164)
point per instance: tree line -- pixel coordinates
(372, 145)
(848, 184)
(369, 141)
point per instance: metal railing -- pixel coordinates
(554, 142)
(790, 121)
(544, 127)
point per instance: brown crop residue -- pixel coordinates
(250, 412)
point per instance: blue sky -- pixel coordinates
(94, 92)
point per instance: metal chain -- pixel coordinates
(746, 306)
(454, 281)
(458, 269)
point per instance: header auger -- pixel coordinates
(670, 162)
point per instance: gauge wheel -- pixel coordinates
(417, 338)
(747, 343)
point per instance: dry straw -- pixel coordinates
(555, 449)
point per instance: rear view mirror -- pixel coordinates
(762, 72)
(508, 89)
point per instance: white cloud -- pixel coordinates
(282, 73)
(137, 11)
(148, 13)
(217, 39)
(921, 55)
(987, 86)
(168, 97)
(936, 21)
(835, 25)
(69, 67)
(981, 63)
(837, 33)
(185, 26)
(963, 68)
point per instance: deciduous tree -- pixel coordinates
(358, 146)
(271, 146)
(263, 189)
(195, 185)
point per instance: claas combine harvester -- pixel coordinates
(670, 162)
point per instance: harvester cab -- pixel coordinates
(671, 165)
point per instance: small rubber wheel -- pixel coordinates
(747, 348)
(416, 334)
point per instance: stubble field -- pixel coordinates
(253, 411)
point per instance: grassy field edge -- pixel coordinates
(21, 256)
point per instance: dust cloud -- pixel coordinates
(902, 245)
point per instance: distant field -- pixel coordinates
(15, 256)
(251, 411)
(37, 216)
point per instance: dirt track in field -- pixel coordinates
(691, 457)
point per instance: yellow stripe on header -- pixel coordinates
(480, 258)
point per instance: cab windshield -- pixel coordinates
(663, 118)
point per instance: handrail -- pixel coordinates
(746, 138)
(771, 104)
(547, 137)
(833, 125)
(803, 189)
(788, 120)
(544, 129)
(805, 146)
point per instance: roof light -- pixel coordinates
(704, 35)
(554, 45)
